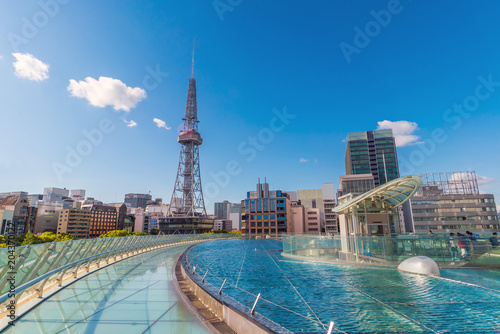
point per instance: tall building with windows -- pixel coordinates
(104, 219)
(265, 211)
(75, 222)
(451, 202)
(53, 194)
(14, 215)
(372, 152)
(222, 210)
(137, 200)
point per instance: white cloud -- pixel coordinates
(315, 160)
(107, 92)
(485, 181)
(28, 67)
(161, 124)
(302, 160)
(402, 131)
(130, 124)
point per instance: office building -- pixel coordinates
(222, 210)
(14, 215)
(235, 216)
(452, 202)
(372, 152)
(137, 200)
(78, 194)
(47, 217)
(104, 219)
(265, 211)
(55, 194)
(75, 222)
(223, 225)
(21, 194)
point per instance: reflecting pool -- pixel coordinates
(305, 296)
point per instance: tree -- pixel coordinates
(31, 239)
(154, 231)
(116, 233)
(64, 237)
(48, 236)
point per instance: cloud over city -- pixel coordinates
(107, 92)
(28, 67)
(130, 124)
(161, 124)
(402, 131)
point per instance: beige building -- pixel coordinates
(312, 220)
(304, 220)
(75, 222)
(324, 200)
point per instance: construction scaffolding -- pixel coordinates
(449, 183)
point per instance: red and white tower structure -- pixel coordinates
(187, 198)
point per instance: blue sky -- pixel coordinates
(411, 63)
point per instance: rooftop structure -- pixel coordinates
(452, 202)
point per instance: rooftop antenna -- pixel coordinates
(192, 65)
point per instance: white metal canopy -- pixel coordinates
(395, 193)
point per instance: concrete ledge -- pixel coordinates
(224, 308)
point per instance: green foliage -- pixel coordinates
(116, 233)
(31, 239)
(48, 236)
(235, 232)
(219, 231)
(2, 239)
(3, 245)
(64, 237)
(140, 233)
(154, 231)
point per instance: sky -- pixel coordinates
(93, 92)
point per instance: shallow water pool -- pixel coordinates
(304, 297)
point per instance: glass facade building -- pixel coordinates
(265, 212)
(372, 152)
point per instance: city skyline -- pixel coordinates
(276, 105)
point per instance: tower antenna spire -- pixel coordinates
(192, 65)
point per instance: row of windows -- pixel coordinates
(259, 217)
(455, 227)
(425, 219)
(454, 201)
(265, 224)
(488, 208)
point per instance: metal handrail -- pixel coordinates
(19, 290)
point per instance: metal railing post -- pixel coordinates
(18, 262)
(40, 262)
(203, 279)
(254, 304)
(55, 263)
(220, 290)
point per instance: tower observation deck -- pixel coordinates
(187, 198)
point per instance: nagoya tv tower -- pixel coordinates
(187, 198)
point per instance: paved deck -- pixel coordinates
(136, 295)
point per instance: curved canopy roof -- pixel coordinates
(394, 193)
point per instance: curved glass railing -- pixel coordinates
(392, 250)
(27, 272)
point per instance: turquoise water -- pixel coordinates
(304, 297)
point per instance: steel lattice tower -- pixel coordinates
(187, 198)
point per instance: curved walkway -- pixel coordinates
(136, 295)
